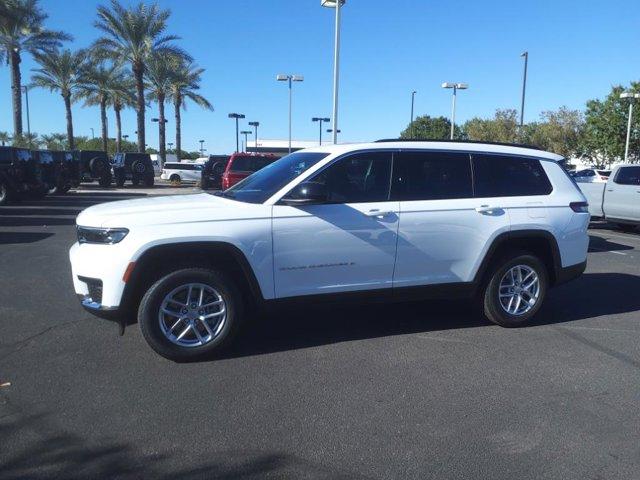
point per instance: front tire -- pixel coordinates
(515, 290)
(190, 314)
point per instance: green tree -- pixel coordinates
(4, 138)
(61, 71)
(605, 128)
(503, 127)
(85, 143)
(429, 128)
(184, 86)
(21, 29)
(99, 82)
(27, 140)
(558, 131)
(132, 35)
(122, 96)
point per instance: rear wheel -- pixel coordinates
(105, 181)
(135, 181)
(190, 314)
(175, 178)
(120, 179)
(515, 290)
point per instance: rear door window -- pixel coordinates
(424, 175)
(509, 176)
(628, 176)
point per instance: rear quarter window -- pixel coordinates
(509, 176)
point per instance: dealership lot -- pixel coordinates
(416, 390)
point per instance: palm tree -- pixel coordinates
(185, 83)
(61, 71)
(122, 95)
(99, 82)
(21, 30)
(132, 35)
(5, 138)
(159, 76)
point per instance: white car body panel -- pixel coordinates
(612, 200)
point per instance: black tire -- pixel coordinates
(105, 181)
(148, 181)
(491, 304)
(98, 166)
(175, 178)
(120, 179)
(5, 195)
(135, 181)
(65, 189)
(149, 309)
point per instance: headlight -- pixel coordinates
(101, 235)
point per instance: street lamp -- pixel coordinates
(456, 87)
(413, 97)
(255, 126)
(124, 136)
(337, 4)
(524, 87)
(289, 78)
(631, 96)
(329, 130)
(320, 119)
(161, 136)
(201, 148)
(92, 135)
(170, 145)
(237, 116)
(245, 133)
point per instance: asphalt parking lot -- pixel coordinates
(418, 390)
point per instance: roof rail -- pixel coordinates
(506, 144)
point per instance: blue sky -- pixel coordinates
(578, 49)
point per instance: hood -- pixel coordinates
(161, 210)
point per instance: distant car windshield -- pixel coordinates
(257, 188)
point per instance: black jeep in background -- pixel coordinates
(136, 167)
(94, 165)
(20, 175)
(212, 172)
(59, 170)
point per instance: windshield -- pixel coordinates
(257, 188)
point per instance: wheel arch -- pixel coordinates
(542, 243)
(158, 260)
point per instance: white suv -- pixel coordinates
(393, 218)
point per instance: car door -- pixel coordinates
(347, 243)
(444, 231)
(622, 195)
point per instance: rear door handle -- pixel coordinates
(487, 209)
(377, 213)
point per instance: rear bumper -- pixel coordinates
(566, 274)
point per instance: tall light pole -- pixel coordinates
(201, 148)
(631, 96)
(320, 119)
(337, 4)
(255, 126)
(524, 87)
(413, 97)
(170, 145)
(289, 78)
(161, 136)
(237, 116)
(456, 87)
(245, 133)
(92, 134)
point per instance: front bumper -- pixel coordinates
(97, 309)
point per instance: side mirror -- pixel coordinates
(306, 192)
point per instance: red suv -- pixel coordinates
(241, 165)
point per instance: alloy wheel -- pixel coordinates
(519, 290)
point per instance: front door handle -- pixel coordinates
(377, 213)
(488, 209)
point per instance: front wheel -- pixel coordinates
(516, 289)
(190, 314)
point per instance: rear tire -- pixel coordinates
(156, 324)
(105, 181)
(135, 181)
(505, 299)
(175, 179)
(120, 179)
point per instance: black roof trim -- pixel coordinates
(477, 142)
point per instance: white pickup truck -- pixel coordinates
(618, 200)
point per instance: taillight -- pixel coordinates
(579, 207)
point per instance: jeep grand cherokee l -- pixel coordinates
(396, 219)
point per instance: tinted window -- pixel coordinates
(264, 183)
(46, 157)
(250, 163)
(432, 176)
(508, 176)
(173, 166)
(628, 176)
(362, 177)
